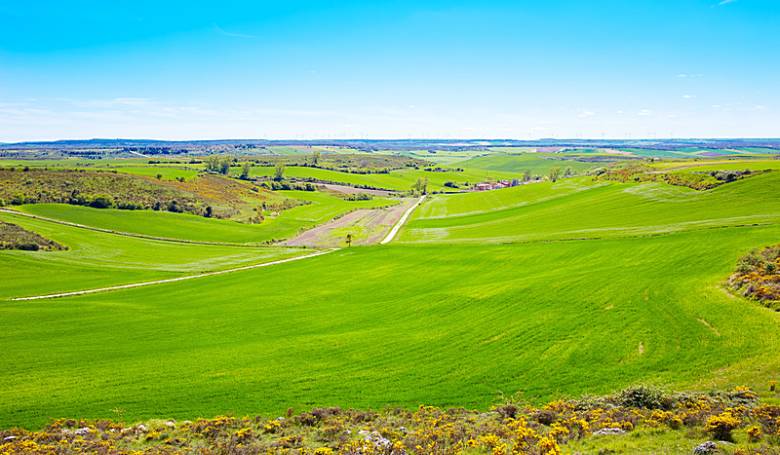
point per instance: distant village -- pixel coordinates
(487, 186)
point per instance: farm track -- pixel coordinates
(391, 235)
(382, 222)
(173, 280)
(387, 239)
(129, 234)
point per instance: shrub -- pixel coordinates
(721, 425)
(643, 397)
(102, 202)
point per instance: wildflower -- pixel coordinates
(244, 434)
(548, 446)
(272, 426)
(754, 434)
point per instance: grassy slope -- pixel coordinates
(361, 328)
(487, 201)
(604, 210)
(536, 163)
(323, 207)
(715, 165)
(96, 259)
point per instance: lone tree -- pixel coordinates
(245, 169)
(217, 164)
(349, 239)
(555, 173)
(279, 172)
(315, 158)
(421, 185)
(526, 175)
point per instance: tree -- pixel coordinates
(315, 158)
(568, 172)
(554, 174)
(526, 175)
(245, 169)
(212, 163)
(421, 185)
(224, 166)
(279, 172)
(349, 239)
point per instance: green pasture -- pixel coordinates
(536, 163)
(321, 207)
(544, 291)
(394, 326)
(96, 259)
(600, 210)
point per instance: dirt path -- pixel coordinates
(368, 226)
(173, 280)
(391, 235)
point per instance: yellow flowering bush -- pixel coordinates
(507, 429)
(721, 425)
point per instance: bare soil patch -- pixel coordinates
(368, 226)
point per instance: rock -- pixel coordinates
(376, 438)
(705, 448)
(170, 424)
(9, 438)
(141, 428)
(609, 431)
(83, 431)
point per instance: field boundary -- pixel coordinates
(131, 234)
(391, 235)
(172, 280)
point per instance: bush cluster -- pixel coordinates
(510, 428)
(757, 276)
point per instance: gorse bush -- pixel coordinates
(757, 276)
(507, 429)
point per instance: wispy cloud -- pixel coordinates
(725, 2)
(586, 114)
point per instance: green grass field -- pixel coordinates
(597, 211)
(547, 290)
(536, 163)
(383, 326)
(96, 259)
(321, 208)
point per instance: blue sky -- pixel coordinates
(389, 69)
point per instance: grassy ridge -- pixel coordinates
(602, 210)
(361, 328)
(536, 163)
(322, 208)
(96, 259)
